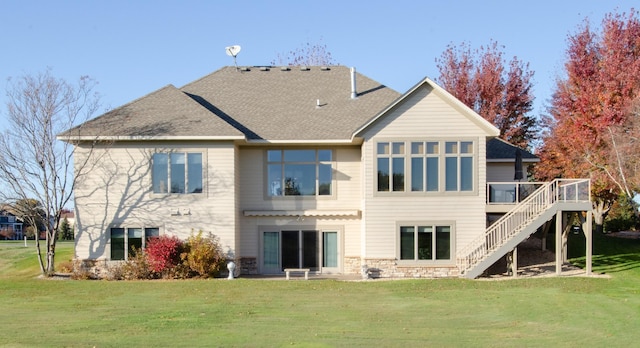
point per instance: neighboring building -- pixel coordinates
(307, 167)
(10, 226)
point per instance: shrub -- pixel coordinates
(136, 267)
(163, 254)
(81, 271)
(65, 267)
(203, 255)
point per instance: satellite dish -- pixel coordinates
(233, 51)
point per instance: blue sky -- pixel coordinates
(135, 47)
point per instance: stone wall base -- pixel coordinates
(389, 268)
(91, 269)
(246, 265)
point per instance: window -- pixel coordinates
(391, 166)
(459, 166)
(124, 242)
(299, 172)
(424, 166)
(431, 166)
(177, 172)
(425, 242)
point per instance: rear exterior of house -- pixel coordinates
(295, 167)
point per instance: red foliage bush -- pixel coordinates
(163, 253)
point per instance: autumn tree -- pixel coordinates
(590, 130)
(308, 55)
(500, 92)
(33, 163)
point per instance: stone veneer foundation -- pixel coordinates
(246, 265)
(388, 268)
(376, 268)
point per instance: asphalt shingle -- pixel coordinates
(261, 103)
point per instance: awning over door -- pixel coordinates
(295, 213)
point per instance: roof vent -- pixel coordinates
(324, 68)
(354, 93)
(264, 68)
(245, 68)
(284, 68)
(304, 68)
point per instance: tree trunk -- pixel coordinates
(39, 252)
(51, 253)
(600, 209)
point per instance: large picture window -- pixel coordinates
(177, 172)
(425, 166)
(125, 241)
(425, 242)
(299, 172)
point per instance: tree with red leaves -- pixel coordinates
(590, 130)
(501, 94)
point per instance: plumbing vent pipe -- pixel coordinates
(354, 95)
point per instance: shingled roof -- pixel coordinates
(256, 103)
(499, 150)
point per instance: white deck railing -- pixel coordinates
(523, 214)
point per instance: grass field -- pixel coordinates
(561, 311)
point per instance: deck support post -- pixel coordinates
(589, 241)
(559, 242)
(514, 265)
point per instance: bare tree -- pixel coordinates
(33, 163)
(309, 55)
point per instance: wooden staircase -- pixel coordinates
(522, 221)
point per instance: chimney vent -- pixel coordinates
(354, 95)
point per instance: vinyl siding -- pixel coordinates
(422, 116)
(118, 193)
(503, 172)
(253, 196)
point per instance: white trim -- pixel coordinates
(352, 213)
(305, 142)
(139, 137)
(489, 128)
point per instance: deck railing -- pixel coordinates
(510, 192)
(523, 214)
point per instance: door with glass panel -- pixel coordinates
(330, 252)
(315, 250)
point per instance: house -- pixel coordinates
(308, 167)
(10, 226)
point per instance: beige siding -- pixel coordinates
(424, 115)
(502, 172)
(118, 193)
(253, 196)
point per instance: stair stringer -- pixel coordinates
(517, 238)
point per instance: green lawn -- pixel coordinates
(571, 312)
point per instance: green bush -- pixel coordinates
(619, 224)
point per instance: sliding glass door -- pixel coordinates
(316, 250)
